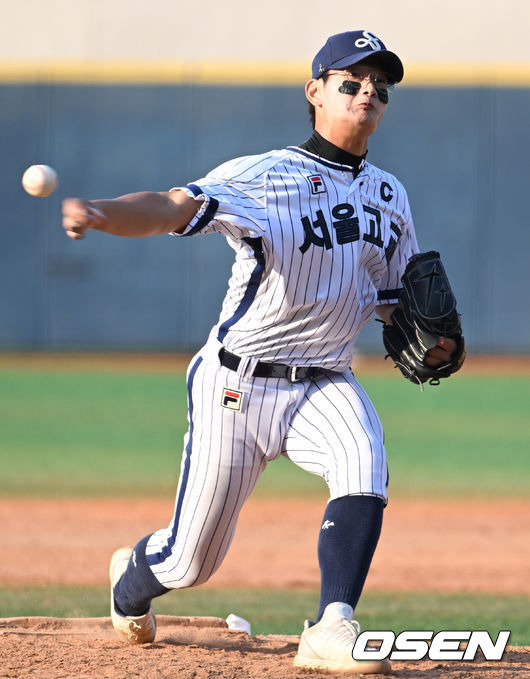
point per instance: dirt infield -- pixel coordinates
(177, 363)
(473, 546)
(186, 648)
(458, 545)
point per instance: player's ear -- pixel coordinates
(312, 91)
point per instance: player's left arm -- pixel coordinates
(441, 353)
(406, 247)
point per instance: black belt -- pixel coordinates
(292, 373)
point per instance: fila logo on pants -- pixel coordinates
(232, 399)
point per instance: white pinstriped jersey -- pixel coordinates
(316, 251)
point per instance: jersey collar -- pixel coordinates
(318, 146)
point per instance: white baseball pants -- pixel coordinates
(327, 426)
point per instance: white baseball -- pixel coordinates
(40, 180)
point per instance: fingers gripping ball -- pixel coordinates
(40, 180)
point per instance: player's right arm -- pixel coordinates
(134, 215)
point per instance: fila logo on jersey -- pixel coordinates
(232, 399)
(316, 182)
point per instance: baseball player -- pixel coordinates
(321, 239)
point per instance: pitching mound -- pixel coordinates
(188, 648)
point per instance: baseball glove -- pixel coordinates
(426, 311)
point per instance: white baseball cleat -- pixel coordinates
(328, 644)
(140, 629)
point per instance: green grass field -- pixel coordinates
(275, 612)
(66, 434)
(121, 434)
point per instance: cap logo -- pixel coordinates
(369, 40)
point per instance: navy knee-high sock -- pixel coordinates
(137, 586)
(347, 541)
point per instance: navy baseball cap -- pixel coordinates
(345, 49)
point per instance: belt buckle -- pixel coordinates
(292, 374)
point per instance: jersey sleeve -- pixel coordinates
(233, 203)
(400, 248)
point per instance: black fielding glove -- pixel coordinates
(426, 311)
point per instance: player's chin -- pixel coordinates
(368, 117)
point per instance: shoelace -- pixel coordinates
(347, 632)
